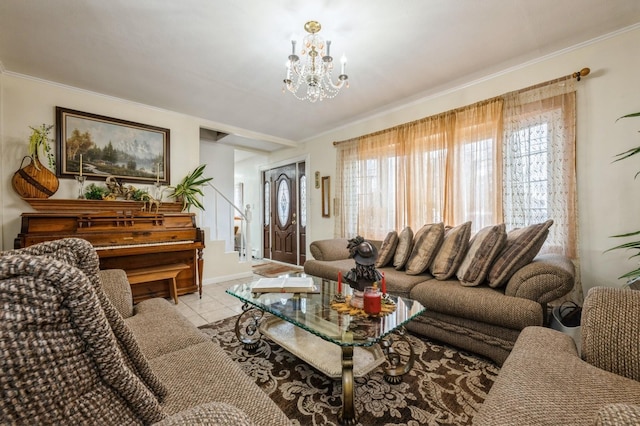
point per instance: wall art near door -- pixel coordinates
(96, 146)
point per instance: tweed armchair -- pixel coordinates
(545, 382)
(67, 356)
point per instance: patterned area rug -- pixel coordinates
(273, 269)
(445, 386)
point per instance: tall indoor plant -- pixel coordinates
(190, 188)
(634, 275)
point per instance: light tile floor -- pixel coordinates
(215, 303)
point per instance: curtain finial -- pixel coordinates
(582, 73)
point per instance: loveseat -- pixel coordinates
(76, 351)
(545, 381)
(478, 318)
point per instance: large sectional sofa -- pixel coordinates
(75, 350)
(475, 316)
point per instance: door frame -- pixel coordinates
(275, 165)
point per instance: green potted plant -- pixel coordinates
(40, 142)
(631, 276)
(190, 187)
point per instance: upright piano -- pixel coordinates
(129, 241)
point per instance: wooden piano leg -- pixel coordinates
(200, 269)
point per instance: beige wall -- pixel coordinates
(607, 194)
(27, 102)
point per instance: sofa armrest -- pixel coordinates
(610, 338)
(618, 415)
(117, 288)
(332, 249)
(547, 278)
(213, 413)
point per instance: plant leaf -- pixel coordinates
(631, 245)
(627, 154)
(631, 274)
(626, 235)
(635, 114)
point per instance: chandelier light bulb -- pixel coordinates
(309, 77)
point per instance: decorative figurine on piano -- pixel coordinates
(365, 273)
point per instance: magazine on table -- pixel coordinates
(285, 285)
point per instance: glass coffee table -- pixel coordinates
(338, 344)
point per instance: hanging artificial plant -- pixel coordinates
(40, 142)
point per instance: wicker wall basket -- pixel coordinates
(34, 180)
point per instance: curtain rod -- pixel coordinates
(577, 75)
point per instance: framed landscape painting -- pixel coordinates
(96, 146)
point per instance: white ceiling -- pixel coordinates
(224, 60)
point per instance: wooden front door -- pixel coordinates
(281, 226)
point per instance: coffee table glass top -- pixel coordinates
(313, 312)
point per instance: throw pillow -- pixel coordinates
(425, 247)
(452, 252)
(403, 251)
(387, 250)
(483, 249)
(522, 246)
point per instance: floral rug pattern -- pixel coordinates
(445, 386)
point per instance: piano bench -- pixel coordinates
(157, 273)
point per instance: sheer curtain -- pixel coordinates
(539, 159)
(441, 168)
(510, 159)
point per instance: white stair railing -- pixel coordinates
(245, 225)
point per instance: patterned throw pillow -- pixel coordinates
(425, 247)
(387, 250)
(452, 251)
(522, 246)
(403, 251)
(483, 249)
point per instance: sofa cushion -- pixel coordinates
(452, 252)
(483, 249)
(403, 251)
(521, 248)
(425, 247)
(176, 333)
(203, 373)
(387, 250)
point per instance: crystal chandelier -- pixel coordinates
(312, 72)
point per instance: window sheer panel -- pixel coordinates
(379, 159)
(539, 164)
(427, 144)
(345, 219)
(476, 172)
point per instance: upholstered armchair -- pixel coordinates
(544, 381)
(67, 356)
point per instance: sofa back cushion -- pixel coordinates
(521, 247)
(483, 249)
(403, 251)
(452, 252)
(610, 338)
(425, 247)
(387, 250)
